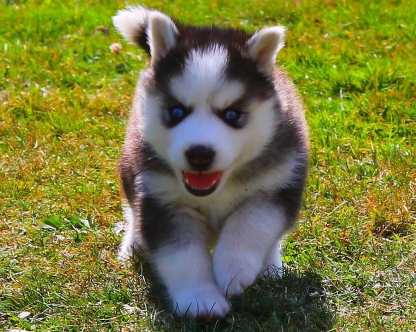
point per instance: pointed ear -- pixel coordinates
(151, 30)
(264, 45)
(162, 35)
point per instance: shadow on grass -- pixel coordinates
(296, 302)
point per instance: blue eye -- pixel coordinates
(234, 118)
(174, 115)
(176, 112)
(230, 115)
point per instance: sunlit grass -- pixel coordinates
(64, 100)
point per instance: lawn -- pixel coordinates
(64, 102)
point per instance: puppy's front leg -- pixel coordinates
(245, 243)
(178, 250)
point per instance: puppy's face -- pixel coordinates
(210, 105)
(204, 120)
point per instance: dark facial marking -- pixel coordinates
(241, 67)
(153, 162)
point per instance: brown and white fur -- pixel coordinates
(215, 156)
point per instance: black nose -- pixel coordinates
(200, 157)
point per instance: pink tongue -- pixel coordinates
(202, 180)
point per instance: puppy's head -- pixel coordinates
(210, 106)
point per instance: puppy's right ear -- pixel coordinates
(264, 45)
(153, 31)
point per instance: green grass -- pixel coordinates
(64, 100)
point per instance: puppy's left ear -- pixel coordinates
(264, 45)
(162, 35)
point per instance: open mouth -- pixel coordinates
(201, 184)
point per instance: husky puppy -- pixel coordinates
(215, 157)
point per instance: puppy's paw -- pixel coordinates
(200, 301)
(234, 276)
